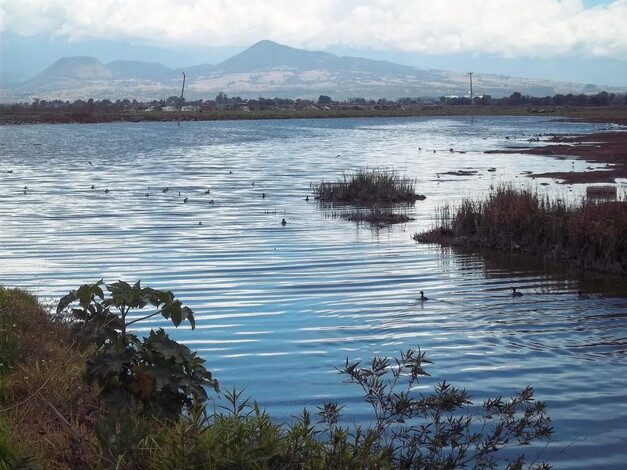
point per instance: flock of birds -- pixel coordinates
(186, 199)
(515, 293)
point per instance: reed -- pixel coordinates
(588, 234)
(368, 188)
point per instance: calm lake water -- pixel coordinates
(278, 308)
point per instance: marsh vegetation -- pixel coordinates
(588, 234)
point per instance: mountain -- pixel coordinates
(76, 68)
(269, 69)
(266, 55)
(136, 69)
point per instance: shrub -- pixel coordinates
(155, 375)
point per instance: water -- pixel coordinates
(278, 308)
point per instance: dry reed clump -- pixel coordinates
(590, 234)
(369, 188)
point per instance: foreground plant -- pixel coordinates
(439, 431)
(154, 375)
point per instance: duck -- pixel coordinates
(582, 296)
(185, 200)
(422, 296)
(283, 222)
(515, 293)
(307, 198)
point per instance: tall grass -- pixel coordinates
(588, 234)
(368, 188)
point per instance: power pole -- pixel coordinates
(471, 100)
(181, 100)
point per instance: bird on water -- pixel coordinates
(515, 293)
(283, 222)
(582, 296)
(422, 296)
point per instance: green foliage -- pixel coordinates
(155, 375)
(441, 430)
(157, 416)
(438, 430)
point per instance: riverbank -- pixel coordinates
(609, 148)
(588, 235)
(18, 116)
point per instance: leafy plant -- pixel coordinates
(438, 430)
(155, 375)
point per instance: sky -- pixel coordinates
(574, 40)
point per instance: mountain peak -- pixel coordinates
(78, 67)
(267, 54)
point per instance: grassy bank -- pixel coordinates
(54, 415)
(588, 234)
(12, 115)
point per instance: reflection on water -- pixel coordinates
(279, 307)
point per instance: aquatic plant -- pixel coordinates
(589, 234)
(368, 188)
(376, 216)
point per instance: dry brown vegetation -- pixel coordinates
(368, 188)
(590, 234)
(46, 409)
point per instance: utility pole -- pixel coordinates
(471, 100)
(181, 100)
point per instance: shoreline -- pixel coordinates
(19, 116)
(609, 148)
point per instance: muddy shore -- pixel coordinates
(609, 148)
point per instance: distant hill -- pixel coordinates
(75, 68)
(270, 69)
(135, 69)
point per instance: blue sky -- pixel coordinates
(570, 40)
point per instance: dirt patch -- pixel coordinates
(606, 147)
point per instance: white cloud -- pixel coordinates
(513, 28)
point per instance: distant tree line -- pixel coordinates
(223, 101)
(602, 98)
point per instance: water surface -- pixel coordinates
(278, 308)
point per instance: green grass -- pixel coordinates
(588, 234)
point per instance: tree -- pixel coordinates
(221, 99)
(324, 99)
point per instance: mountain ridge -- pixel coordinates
(271, 69)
